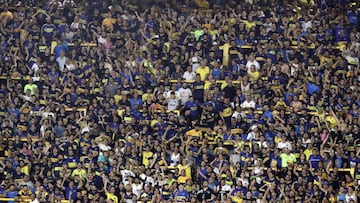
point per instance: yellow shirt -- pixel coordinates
(285, 159)
(194, 133)
(249, 25)
(112, 197)
(146, 156)
(25, 194)
(202, 3)
(186, 168)
(203, 71)
(223, 85)
(236, 199)
(332, 199)
(32, 88)
(307, 153)
(207, 85)
(42, 194)
(8, 14)
(182, 179)
(108, 22)
(324, 59)
(232, 21)
(25, 170)
(213, 32)
(207, 26)
(332, 121)
(145, 96)
(307, 3)
(253, 76)
(81, 173)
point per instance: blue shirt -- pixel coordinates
(312, 88)
(193, 106)
(48, 30)
(182, 196)
(58, 49)
(353, 162)
(236, 71)
(134, 101)
(216, 73)
(240, 42)
(353, 17)
(59, 130)
(73, 192)
(12, 195)
(62, 29)
(53, 75)
(314, 160)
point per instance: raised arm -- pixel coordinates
(105, 181)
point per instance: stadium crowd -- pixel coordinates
(180, 101)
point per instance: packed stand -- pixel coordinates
(195, 101)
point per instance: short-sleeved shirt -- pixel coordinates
(112, 197)
(31, 87)
(203, 71)
(286, 158)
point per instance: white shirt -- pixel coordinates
(46, 114)
(184, 94)
(173, 104)
(130, 64)
(35, 67)
(69, 35)
(307, 25)
(101, 40)
(305, 142)
(224, 188)
(245, 88)
(352, 60)
(244, 182)
(137, 189)
(195, 63)
(250, 136)
(189, 75)
(125, 174)
(104, 147)
(349, 197)
(70, 66)
(76, 25)
(263, 144)
(258, 170)
(42, 130)
(255, 63)
(282, 145)
(27, 98)
(35, 201)
(147, 180)
(248, 104)
(61, 62)
(175, 159)
(236, 114)
(167, 94)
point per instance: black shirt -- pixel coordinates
(204, 194)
